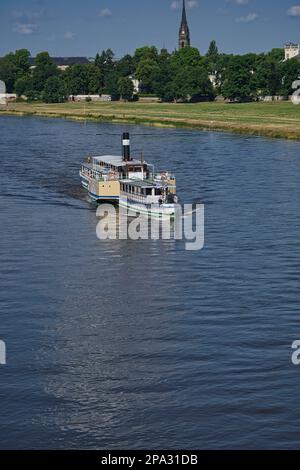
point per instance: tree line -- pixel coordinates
(182, 76)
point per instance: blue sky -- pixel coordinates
(83, 27)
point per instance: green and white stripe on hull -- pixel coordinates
(103, 198)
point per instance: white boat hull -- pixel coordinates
(153, 210)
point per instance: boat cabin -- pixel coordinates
(147, 192)
(113, 167)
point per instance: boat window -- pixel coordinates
(149, 191)
(158, 192)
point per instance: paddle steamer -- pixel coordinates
(129, 182)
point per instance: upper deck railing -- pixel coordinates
(106, 175)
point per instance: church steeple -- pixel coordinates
(184, 32)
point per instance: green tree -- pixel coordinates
(8, 72)
(268, 80)
(162, 81)
(125, 88)
(13, 66)
(94, 79)
(25, 86)
(238, 83)
(21, 60)
(112, 86)
(192, 84)
(22, 85)
(186, 57)
(276, 54)
(106, 64)
(145, 53)
(212, 57)
(182, 75)
(54, 90)
(212, 53)
(125, 66)
(44, 69)
(105, 60)
(290, 72)
(147, 72)
(164, 56)
(220, 70)
(77, 80)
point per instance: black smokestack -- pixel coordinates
(126, 147)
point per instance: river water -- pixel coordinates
(141, 344)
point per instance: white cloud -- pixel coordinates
(247, 19)
(25, 22)
(294, 11)
(192, 4)
(69, 35)
(29, 16)
(239, 2)
(25, 28)
(105, 12)
(51, 38)
(175, 5)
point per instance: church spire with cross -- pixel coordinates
(184, 32)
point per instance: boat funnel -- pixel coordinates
(126, 147)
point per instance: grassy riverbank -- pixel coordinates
(269, 119)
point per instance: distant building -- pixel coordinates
(64, 62)
(136, 84)
(291, 51)
(267, 99)
(213, 80)
(6, 98)
(184, 31)
(92, 98)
